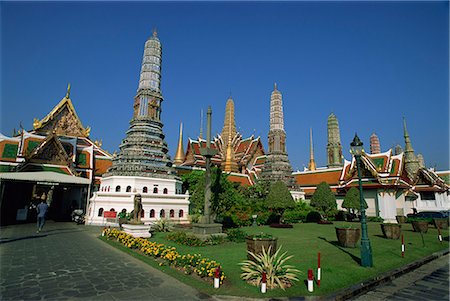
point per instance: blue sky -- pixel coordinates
(371, 63)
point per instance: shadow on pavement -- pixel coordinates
(6, 240)
(336, 244)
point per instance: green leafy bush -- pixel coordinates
(375, 219)
(236, 235)
(185, 239)
(313, 217)
(162, 225)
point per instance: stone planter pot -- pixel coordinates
(348, 237)
(420, 226)
(391, 231)
(255, 245)
(441, 223)
(401, 219)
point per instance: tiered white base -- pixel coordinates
(137, 230)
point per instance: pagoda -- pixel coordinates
(143, 165)
(277, 166)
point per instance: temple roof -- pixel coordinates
(63, 120)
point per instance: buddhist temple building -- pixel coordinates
(55, 161)
(393, 183)
(242, 159)
(143, 167)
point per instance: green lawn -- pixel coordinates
(340, 267)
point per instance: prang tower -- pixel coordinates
(334, 147)
(277, 165)
(144, 151)
(142, 169)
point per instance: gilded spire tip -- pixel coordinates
(68, 91)
(155, 33)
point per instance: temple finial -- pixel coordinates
(312, 163)
(68, 91)
(179, 156)
(275, 86)
(201, 124)
(155, 33)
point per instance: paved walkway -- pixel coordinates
(67, 262)
(428, 282)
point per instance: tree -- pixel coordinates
(351, 200)
(279, 199)
(223, 193)
(324, 199)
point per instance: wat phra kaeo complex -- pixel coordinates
(58, 162)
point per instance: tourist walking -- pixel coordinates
(41, 212)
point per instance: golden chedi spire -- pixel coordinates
(312, 163)
(228, 133)
(229, 125)
(179, 156)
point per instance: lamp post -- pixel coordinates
(356, 148)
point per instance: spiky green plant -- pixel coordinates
(278, 273)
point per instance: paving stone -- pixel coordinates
(66, 262)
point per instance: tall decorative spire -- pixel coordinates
(68, 91)
(411, 162)
(179, 156)
(147, 103)
(334, 147)
(229, 124)
(144, 152)
(312, 163)
(201, 124)
(228, 133)
(374, 144)
(277, 165)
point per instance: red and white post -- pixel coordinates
(217, 278)
(310, 281)
(403, 247)
(264, 283)
(439, 234)
(318, 269)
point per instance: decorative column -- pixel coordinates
(206, 226)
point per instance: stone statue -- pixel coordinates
(137, 208)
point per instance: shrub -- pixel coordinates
(161, 225)
(279, 199)
(215, 240)
(313, 217)
(324, 199)
(375, 219)
(278, 273)
(236, 235)
(227, 222)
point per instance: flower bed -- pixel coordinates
(188, 263)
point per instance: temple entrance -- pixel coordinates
(18, 200)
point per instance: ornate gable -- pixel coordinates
(50, 151)
(63, 120)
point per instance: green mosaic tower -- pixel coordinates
(334, 147)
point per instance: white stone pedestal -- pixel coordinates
(137, 230)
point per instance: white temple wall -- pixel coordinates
(107, 200)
